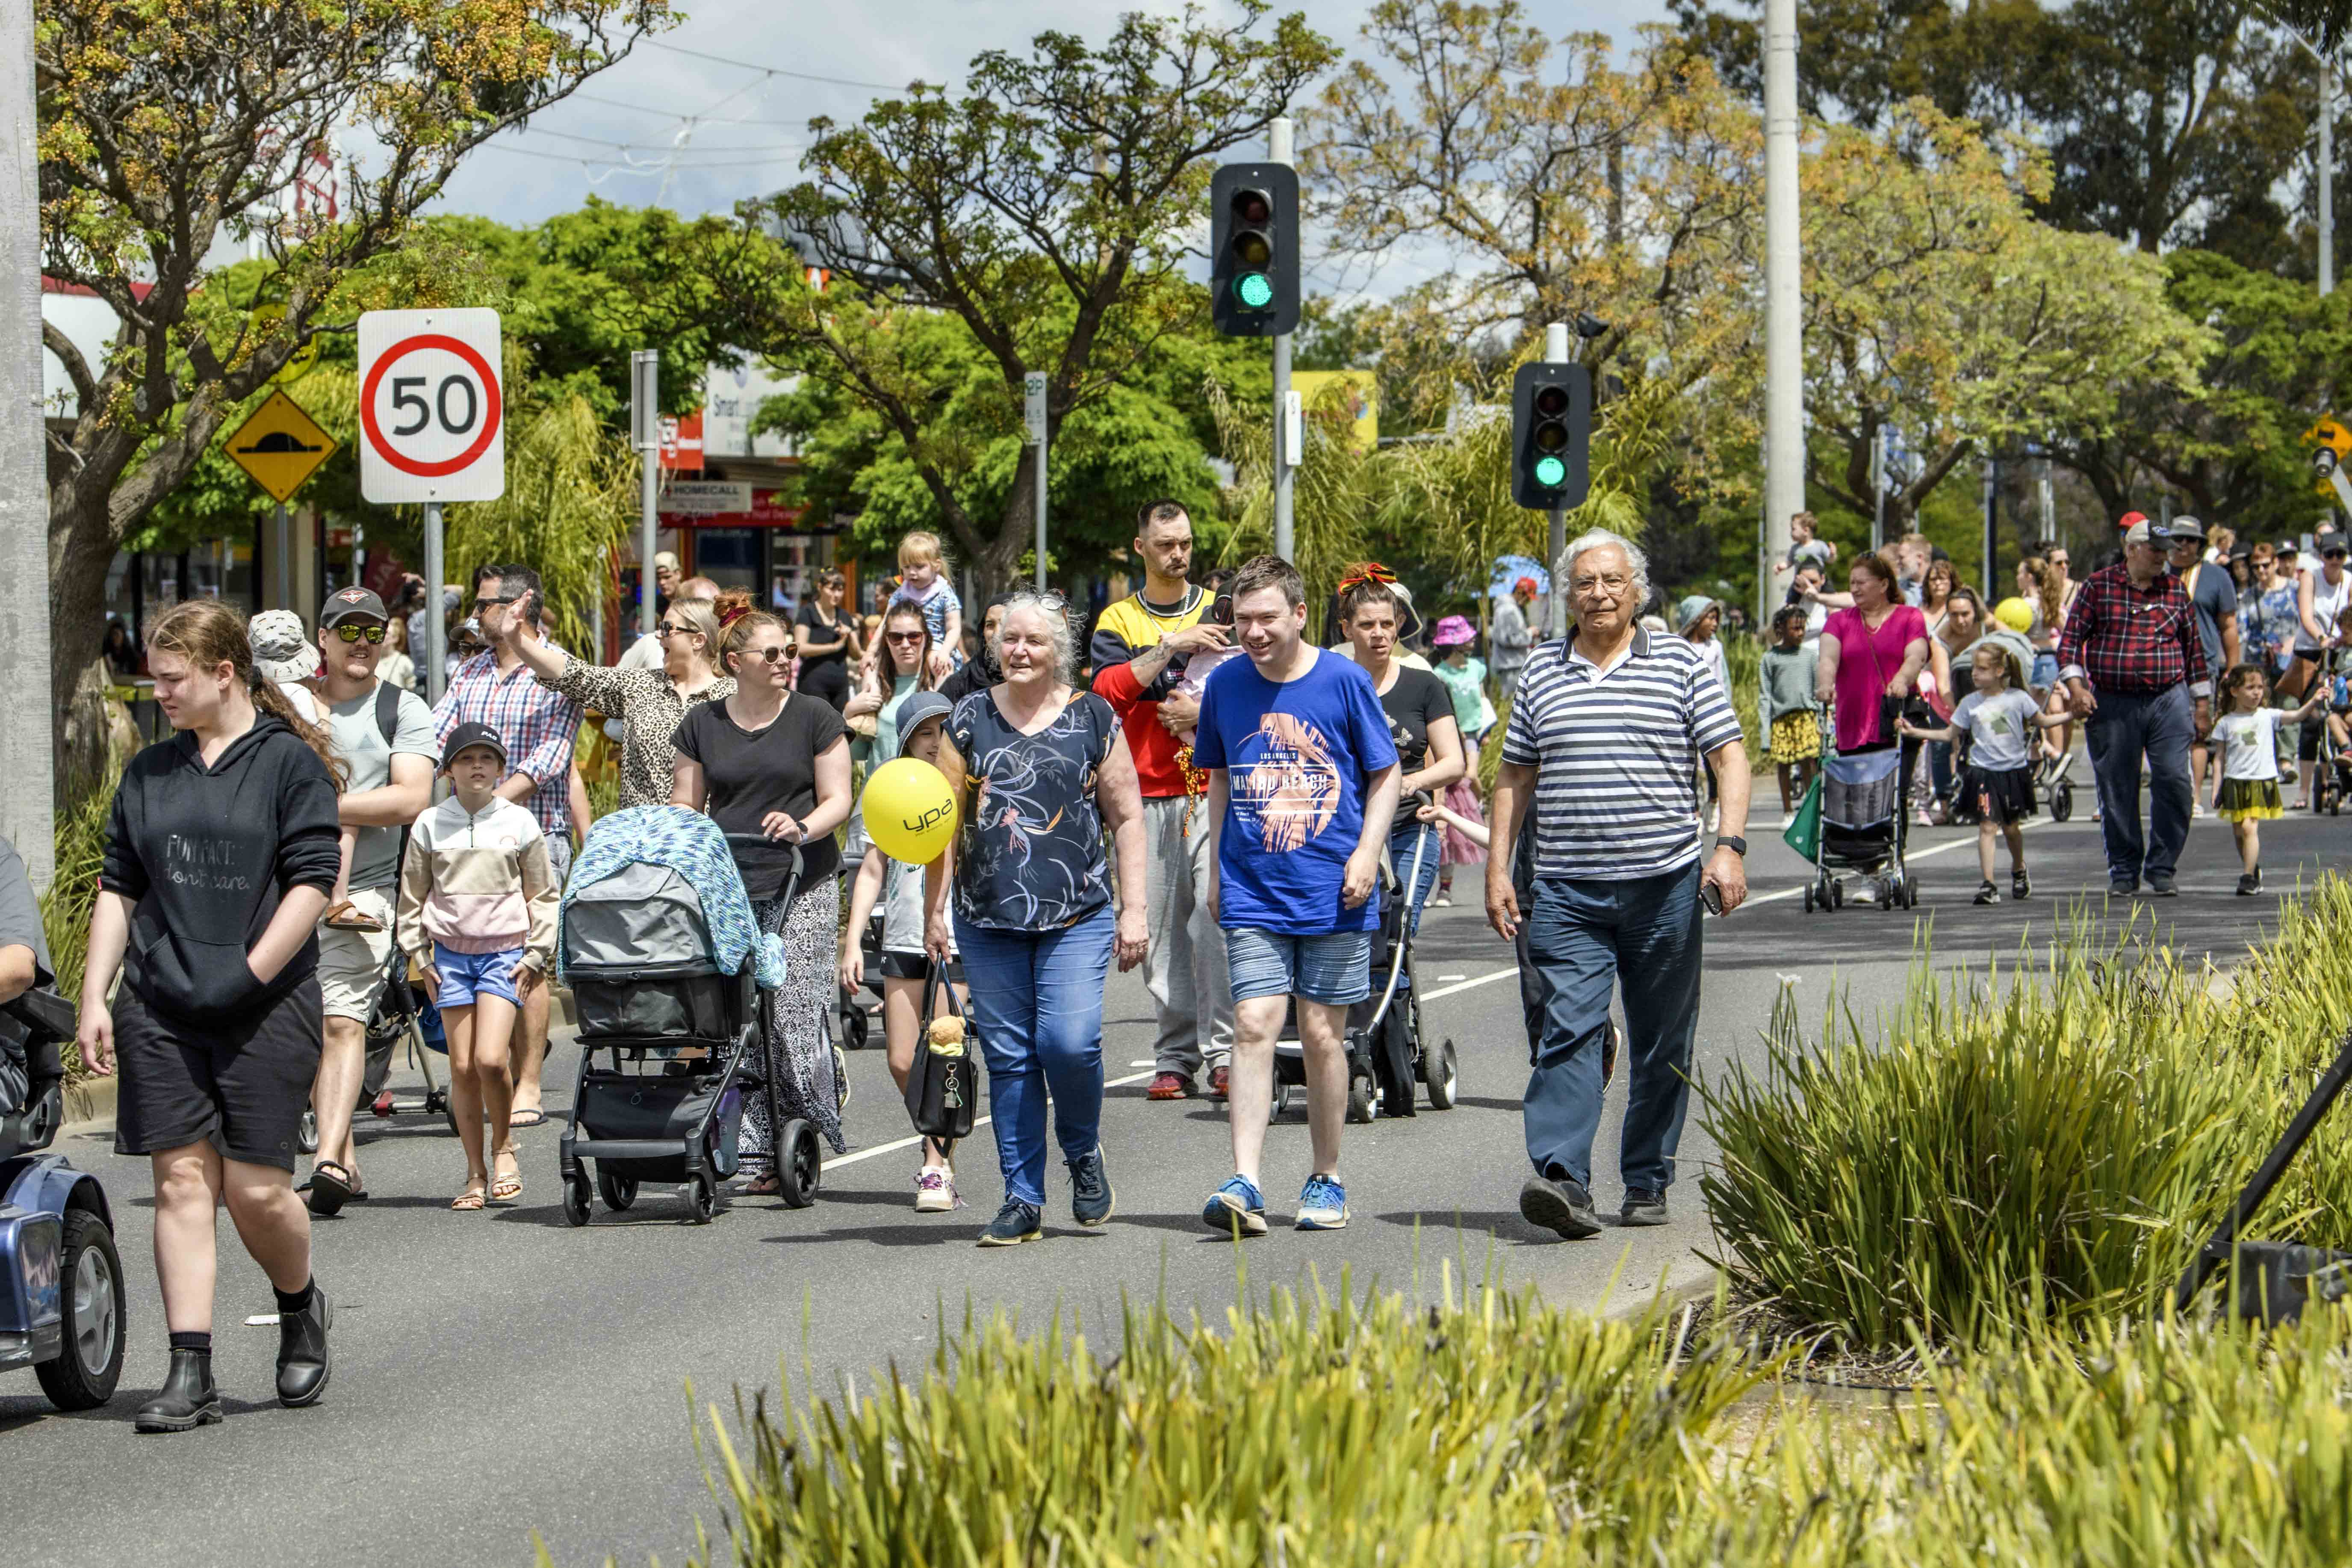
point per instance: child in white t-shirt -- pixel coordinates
(1998, 721)
(2248, 732)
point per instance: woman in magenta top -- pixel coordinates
(1875, 649)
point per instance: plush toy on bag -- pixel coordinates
(909, 811)
(2014, 614)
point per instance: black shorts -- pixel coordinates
(916, 967)
(242, 1086)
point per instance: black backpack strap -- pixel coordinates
(387, 709)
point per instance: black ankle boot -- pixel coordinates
(186, 1401)
(302, 1351)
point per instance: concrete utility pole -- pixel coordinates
(27, 721)
(1784, 348)
(644, 420)
(1285, 424)
(1556, 546)
(2328, 173)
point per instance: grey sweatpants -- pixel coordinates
(1185, 971)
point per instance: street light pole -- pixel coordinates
(644, 418)
(1784, 360)
(1279, 150)
(2327, 174)
(26, 720)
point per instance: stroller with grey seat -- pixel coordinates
(1862, 828)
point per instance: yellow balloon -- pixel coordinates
(2014, 614)
(909, 810)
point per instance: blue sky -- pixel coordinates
(697, 134)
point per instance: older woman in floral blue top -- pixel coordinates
(1040, 769)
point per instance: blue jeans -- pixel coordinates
(2160, 725)
(1416, 894)
(1037, 1005)
(1587, 938)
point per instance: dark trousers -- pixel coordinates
(1586, 938)
(2160, 724)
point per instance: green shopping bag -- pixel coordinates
(1803, 833)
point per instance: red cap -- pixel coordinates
(2130, 518)
(1524, 585)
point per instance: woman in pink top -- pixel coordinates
(1876, 649)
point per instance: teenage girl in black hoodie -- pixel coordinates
(219, 857)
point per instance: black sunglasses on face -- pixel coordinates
(510, 599)
(903, 636)
(350, 633)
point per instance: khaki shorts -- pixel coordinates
(351, 962)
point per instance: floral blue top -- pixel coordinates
(1029, 855)
(2267, 624)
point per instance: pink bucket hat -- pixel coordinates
(1453, 631)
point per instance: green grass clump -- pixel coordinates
(79, 841)
(1344, 1432)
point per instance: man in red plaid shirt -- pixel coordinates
(2134, 664)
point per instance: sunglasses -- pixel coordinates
(510, 599)
(904, 637)
(350, 633)
(772, 654)
(671, 630)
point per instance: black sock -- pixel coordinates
(299, 1301)
(202, 1343)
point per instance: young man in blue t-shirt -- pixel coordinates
(1303, 784)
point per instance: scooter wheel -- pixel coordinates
(83, 1373)
(2062, 801)
(1445, 1072)
(1360, 1099)
(617, 1190)
(306, 1135)
(575, 1199)
(800, 1165)
(702, 1197)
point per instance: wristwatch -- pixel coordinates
(1737, 846)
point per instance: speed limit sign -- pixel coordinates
(432, 414)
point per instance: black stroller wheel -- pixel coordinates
(800, 1163)
(1281, 1099)
(702, 1197)
(575, 1199)
(855, 1026)
(617, 1190)
(2062, 801)
(1443, 1075)
(1837, 894)
(1809, 898)
(1360, 1098)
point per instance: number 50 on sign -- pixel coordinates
(432, 412)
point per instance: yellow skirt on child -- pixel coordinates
(2249, 800)
(1796, 737)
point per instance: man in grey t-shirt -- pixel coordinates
(2215, 596)
(389, 781)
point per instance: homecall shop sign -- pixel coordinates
(726, 503)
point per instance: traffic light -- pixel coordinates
(1254, 249)
(1551, 428)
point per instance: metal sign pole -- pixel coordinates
(1279, 148)
(436, 634)
(645, 408)
(1032, 412)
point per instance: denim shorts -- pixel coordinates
(1334, 968)
(466, 975)
(2045, 670)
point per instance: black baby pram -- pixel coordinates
(666, 1047)
(1863, 829)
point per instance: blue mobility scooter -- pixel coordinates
(61, 1309)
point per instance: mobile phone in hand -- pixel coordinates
(1712, 897)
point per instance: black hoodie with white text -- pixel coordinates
(206, 854)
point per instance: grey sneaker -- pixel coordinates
(1016, 1223)
(1562, 1206)
(2162, 888)
(1091, 1199)
(1644, 1205)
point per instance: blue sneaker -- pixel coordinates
(1235, 1209)
(1322, 1203)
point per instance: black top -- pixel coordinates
(207, 853)
(976, 676)
(1030, 854)
(826, 629)
(750, 772)
(1417, 699)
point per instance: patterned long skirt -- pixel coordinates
(1461, 798)
(798, 1057)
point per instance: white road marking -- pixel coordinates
(897, 1143)
(1968, 843)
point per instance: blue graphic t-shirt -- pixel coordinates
(1297, 756)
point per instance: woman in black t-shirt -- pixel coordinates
(1420, 721)
(826, 641)
(775, 763)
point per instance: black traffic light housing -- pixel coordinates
(1552, 433)
(1253, 250)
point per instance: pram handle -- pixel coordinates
(44, 1014)
(761, 841)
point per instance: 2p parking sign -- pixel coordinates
(432, 408)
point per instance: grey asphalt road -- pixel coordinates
(501, 1377)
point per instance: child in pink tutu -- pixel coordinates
(1465, 678)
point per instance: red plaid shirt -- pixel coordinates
(2128, 639)
(538, 726)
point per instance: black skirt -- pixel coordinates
(1999, 795)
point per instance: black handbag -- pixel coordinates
(943, 1088)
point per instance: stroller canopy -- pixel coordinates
(655, 891)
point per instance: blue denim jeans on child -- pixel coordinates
(1037, 1005)
(1587, 939)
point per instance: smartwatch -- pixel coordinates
(1737, 846)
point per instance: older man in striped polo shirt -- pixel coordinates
(1604, 742)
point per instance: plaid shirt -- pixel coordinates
(537, 725)
(2126, 639)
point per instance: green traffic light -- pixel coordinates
(1255, 289)
(1550, 472)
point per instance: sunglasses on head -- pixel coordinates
(350, 633)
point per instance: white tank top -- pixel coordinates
(2327, 602)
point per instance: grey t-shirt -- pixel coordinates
(20, 912)
(2216, 598)
(359, 741)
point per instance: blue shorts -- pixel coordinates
(2045, 670)
(466, 975)
(1334, 968)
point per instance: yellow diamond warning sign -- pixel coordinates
(281, 447)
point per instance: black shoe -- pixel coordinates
(187, 1399)
(302, 1364)
(2121, 886)
(1016, 1223)
(1091, 1199)
(1563, 1206)
(2020, 886)
(1987, 893)
(2162, 888)
(2251, 883)
(1642, 1207)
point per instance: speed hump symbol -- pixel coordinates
(432, 412)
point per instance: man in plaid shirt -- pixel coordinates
(499, 689)
(2134, 664)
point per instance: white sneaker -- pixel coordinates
(935, 1191)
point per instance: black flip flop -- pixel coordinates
(330, 1187)
(516, 1123)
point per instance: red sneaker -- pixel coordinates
(1169, 1086)
(1217, 1081)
